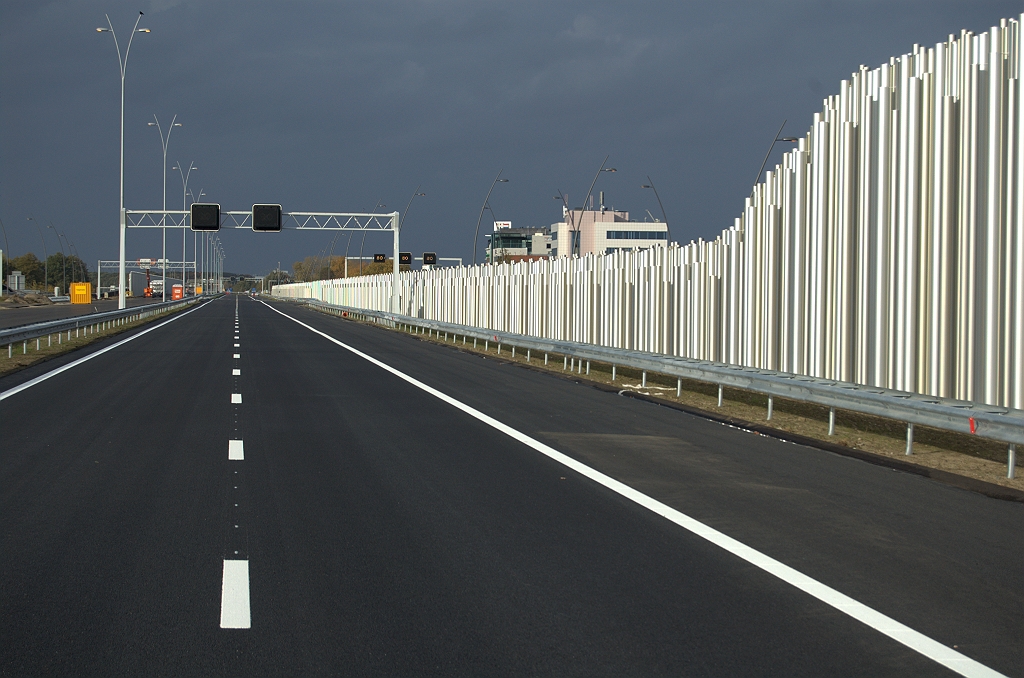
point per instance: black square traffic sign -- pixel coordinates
(266, 218)
(205, 217)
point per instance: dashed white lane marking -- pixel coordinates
(236, 398)
(236, 336)
(234, 595)
(237, 346)
(237, 355)
(53, 373)
(236, 450)
(236, 373)
(888, 626)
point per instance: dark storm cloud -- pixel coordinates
(333, 106)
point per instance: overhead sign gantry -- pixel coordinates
(264, 218)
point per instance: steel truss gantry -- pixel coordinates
(297, 221)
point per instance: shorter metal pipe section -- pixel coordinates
(910, 439)
(771, 405)
(831, 421)
(1011, 461)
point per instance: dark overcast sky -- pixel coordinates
(332, 106)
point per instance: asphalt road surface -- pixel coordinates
(390, 507)
(27, 315)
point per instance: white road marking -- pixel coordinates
(236, 336)
(237, 346)
(53, 373)
(235, 373)
(236, 398)
(237, 355)
(236, 450)
(234, 595)
(886, 625)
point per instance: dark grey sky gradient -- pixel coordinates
(331, 106)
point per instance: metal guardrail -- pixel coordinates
(26, 332)
(985, 421)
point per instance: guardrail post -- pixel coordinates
(487, 345)
(474, 342)
(565, 363)
(679, 387)
(771, 405)
(719, 395)
(513, 351)
(24, 347)
(8, 350)
(910, 439)
(613, 372)
(545, 358)
(527, 355)
(643, 380)
(588, 368)
(499, 348)
(831, 421)
(1011, 461)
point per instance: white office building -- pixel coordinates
(602, 231)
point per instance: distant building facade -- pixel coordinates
(16, 281)
(603, 231)
(518, 244)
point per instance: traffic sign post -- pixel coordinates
(267, 218)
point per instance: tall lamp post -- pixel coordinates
(574, 244)
(63, 259)
(379, 205)
(195, 243)
(123, 63)
(668, 231)
(184, 193)
(46, 257)
(766, 155)
(164, 140)
(476, 234)
(415, 194)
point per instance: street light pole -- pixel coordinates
(573, 226)
(63, 260)
(184, 193)
(46, 271)
(376, 207)
(123, 63)
(164, 140)
(476, 234)
(766, 155)
(668, 232)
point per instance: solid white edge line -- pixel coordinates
(884, 624)
(236, 450)
(53, 373)
(234, 595)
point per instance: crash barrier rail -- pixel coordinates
(985, 421)
(92, 322)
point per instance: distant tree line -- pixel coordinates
(325, 268)
(58, 270)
